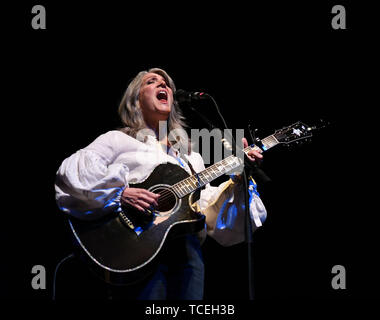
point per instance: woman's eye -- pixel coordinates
(152, 80)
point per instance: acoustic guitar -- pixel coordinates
(122, 247)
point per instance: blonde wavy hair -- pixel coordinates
(130, 112)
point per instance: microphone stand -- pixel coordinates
(248, 223)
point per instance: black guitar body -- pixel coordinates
(114, 249)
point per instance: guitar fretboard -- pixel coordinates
(269, 142)
(200, 179)
(216, 170)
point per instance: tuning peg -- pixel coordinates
(252, 133)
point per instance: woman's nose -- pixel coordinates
(162, 84)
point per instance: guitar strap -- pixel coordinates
(188, 162)
(191, 167)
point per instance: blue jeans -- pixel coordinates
(179, 275)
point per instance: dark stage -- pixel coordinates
(268, 65)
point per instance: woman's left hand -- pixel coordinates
(252, 155)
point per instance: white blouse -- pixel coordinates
(90, 182)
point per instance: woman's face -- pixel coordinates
(156, 99)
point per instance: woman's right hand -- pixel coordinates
(139, 198)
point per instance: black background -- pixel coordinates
(270, 64)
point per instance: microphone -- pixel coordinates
(189, 97)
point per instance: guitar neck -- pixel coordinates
(269, 142)
(216, 170)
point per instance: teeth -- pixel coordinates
(162, 92)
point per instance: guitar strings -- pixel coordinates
(166, 194)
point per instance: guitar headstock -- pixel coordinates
(297, 132)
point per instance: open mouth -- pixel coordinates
(162, 96)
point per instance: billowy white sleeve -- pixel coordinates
(88, 184)
(224, 208)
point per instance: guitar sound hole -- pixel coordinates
(167, 200)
